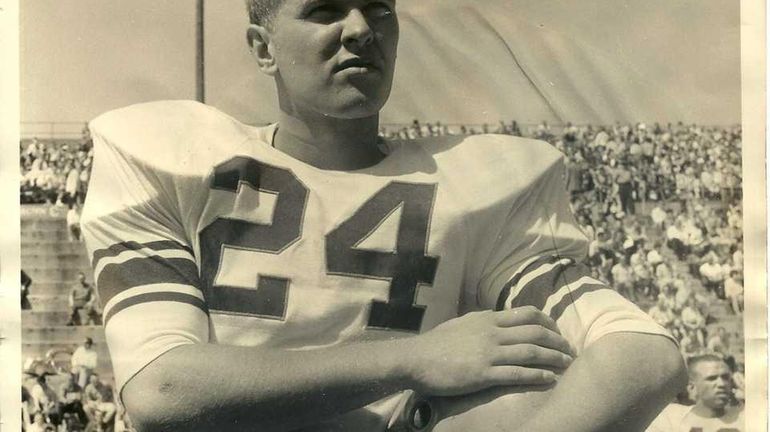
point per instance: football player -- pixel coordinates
(309, 276)
(711, 386)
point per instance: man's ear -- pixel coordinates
(692, 393)
(262, 49)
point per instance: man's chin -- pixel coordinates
(355, 107)
(720, 402)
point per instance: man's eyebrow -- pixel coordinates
(309, 3)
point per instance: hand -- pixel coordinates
(479, 350)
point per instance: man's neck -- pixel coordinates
(706, 412)
(329, 143)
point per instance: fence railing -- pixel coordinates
(74, 130)
(52, 130)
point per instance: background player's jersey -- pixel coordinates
(200, 231)
(681, 418)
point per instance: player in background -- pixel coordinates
(711, 387)
(308, 276)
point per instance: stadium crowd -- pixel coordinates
(660, 203)
(70, 406)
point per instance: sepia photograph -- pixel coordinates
(381, 215)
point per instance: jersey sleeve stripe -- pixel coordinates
(131, 254)
(164, 287)
(116, 278)
(545, 281)
(508, 292)
(567, 288)
(156, 297)
(119, 248)
(572, 297)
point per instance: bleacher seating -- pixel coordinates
(53, 261)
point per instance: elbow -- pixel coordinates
(153, 405)
(148, 410)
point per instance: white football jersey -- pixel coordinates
(681, 418)
(200, 231)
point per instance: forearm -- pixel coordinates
(218, 387)
(620, 383)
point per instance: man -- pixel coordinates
(81, 299)
(99, 404)
(734, 291)
(26, 282)
(26, 408)
(40, 425)
(624, 180)
(623, 278)
(71, 395)
(713, 275)
(719, 341)
(71, 184)
(73, 222)
(84, 361)
(307, 276)
(661, 313)
(711, 387)
(676, 236)
(45, 401)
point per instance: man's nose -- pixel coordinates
(356, 32)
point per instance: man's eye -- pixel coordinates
(378, 10)
(324, 14)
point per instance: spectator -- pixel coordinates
(98, 424)
(719, 342)
(99, 404)
(622, 279)
(84, 361)
(713, 275)
(82, 299)
(692, 318)
(72, 185)
(734, 291)
(45, 401)
(663, 274)
(26, 282)
(690, 344)
(739, 378)
(40, 425)
(667, 297)
(653, 254)
(684, 294)
(662, 313)
(711, 387)
(71, 395)
(737, 256)
(676, 236)
(73, 222)
(26, 401)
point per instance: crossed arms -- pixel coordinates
(620, 383)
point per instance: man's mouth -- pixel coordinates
(356, 63)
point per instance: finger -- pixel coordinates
(523, 316)
(519, 375)
(536, 335)
(531, 355)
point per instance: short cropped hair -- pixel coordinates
(703, 358)
(261, 12)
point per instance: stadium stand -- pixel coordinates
(666, 231)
